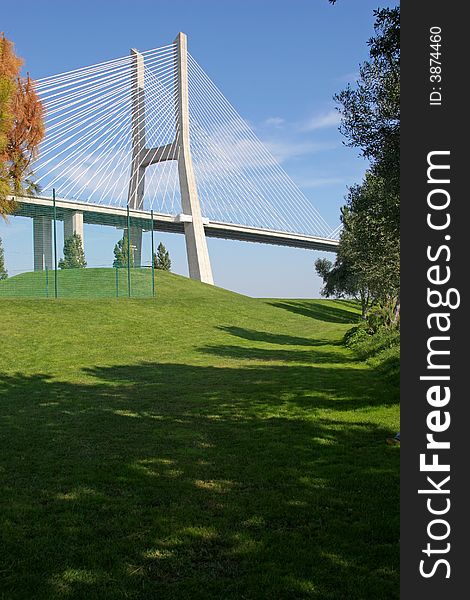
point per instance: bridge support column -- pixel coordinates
(73, 223)
(196, 244)
(42, 243)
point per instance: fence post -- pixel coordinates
(153, 266)
(117, 281)
(128, 253)
(55, 245)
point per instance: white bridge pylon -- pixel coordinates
(151, 132)
(178, 149)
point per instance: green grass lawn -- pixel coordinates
(197, 445)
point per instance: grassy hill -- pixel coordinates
(201, 444)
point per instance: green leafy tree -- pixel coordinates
(368, 258)
(367, 265)
(74, 256)
(3, 271)
(371, 110)
(341, 281)
(121, 252)
(370, 245)
(161, 260)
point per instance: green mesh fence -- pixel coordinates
(48, 250)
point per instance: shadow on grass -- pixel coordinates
(275, 338)
(273, 354)
(178, 481)
(332, 312)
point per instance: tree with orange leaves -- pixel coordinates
(21, 127)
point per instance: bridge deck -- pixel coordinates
(117, 217)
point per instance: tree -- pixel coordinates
(341, 281)
(370, 243)
(369, 249)
(371, 112)
(74, 256)
(121, 252)
(21, 127)
(161, 260)
(3, 271)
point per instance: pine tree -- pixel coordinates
(161, 260)
(3, 271)
(74, 256)
(121, 253)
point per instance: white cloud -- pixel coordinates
(285, 150)
(274, 122)
(315, 182)
(331, 118)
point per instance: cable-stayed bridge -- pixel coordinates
(149, 135)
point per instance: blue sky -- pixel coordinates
(278, 63)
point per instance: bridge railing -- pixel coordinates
(50, 252)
